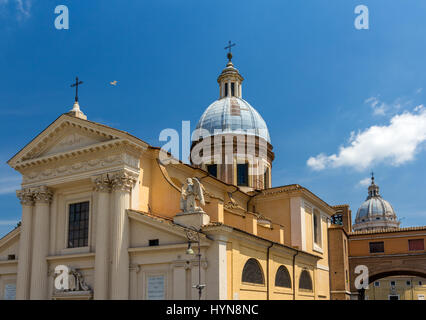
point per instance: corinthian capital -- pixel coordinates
(25, 197)
(42, 194)
(123, 180)
(102, 183)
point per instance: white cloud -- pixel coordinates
(365, 182)
(394, 144)
(381, 108)
(419, 90)
(22, 7)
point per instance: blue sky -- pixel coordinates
(339, 102)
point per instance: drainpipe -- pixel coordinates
(267, 271)
(294, 275)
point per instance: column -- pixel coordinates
(24, 254)
(102, 189)
(39, 280)
(122, 184)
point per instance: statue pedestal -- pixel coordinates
(192, 219)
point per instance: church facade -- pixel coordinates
(101, 203)
(105, 217)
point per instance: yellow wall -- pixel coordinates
(240, 251)
(405, 292)
(394, 242)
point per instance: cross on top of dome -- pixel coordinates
(229, 46)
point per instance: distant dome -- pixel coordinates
(375, 212)
(233, 115)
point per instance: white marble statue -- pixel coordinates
(192, 190)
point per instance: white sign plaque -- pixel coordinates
(10, 291)
(155, 289)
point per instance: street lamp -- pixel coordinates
(193, 235)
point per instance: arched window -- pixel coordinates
(252, 272)
(282, 278)
(305, 281)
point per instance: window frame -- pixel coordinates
(245, 162)
(377, 252)
(67, 213)
(217, 169)
(283, 267)
(305, 271)
(261, 272)
(317, 246)
(420, 239)
(267, 177)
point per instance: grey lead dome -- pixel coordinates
(375, 212)
(233, 115)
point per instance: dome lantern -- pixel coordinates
(230, 80)
(239, 146)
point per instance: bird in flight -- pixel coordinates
(113, 83)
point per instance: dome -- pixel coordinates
(375, 212)
(375, 207)
(233, 115)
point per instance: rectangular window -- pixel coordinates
(154, 242)
(376, 247)
(242, 174)
(420, 283)
(317, 227)
(226, 89)
(393, 297)
(266, 178)
(392, 283)
(416, 244)
(377, 283)
(408, 283)
(232, 89)
(78, 225)
(212, 170)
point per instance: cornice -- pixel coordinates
(41, 141)
(72, 154)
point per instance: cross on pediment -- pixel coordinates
(76, 84)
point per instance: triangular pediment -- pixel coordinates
(72, 139)
(67, 134)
